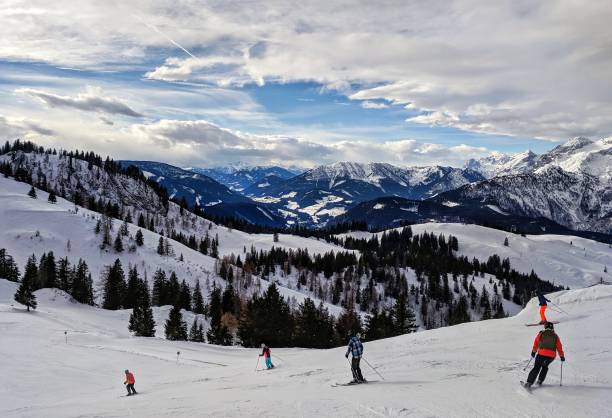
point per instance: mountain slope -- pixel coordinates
(499, 164)
(195, 188)
(469, 370)
(241, 178)
(321, 194)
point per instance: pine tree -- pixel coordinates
(218, 333)
(64, 275)
(32, 193)
(268, 319)
(114, 287)
(139, 238)
(133, 289)
(404, 319)
(47, 271)
(82, 284)
(275, 237)
(506, 243)
(8, 267)
(197, 300)
(173, 290)
(118, 245)
(176, 328)
(196, 333)
(160, 286)
(52, 197)
(141, 322)
(25, 294)
(161, 249)
(184, 296)
(314, 327)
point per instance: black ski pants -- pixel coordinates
(130, 389)
(356, 369)
(540, 368)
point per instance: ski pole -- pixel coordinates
(558, 307)
(525, 368)
(561, 380)
(376, 371)
(257, 366)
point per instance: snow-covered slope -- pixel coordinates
(564, 260)
(470, 370)
(500, 164)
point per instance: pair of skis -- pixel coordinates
(540, 324)
(334, 385)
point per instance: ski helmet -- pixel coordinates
(127, 371)
(262, 345)
(358, 335)
(549, 325)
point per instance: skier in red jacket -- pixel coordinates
(129, 383)
(546, 345)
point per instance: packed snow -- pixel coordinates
(470, 370)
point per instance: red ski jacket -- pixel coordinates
(548, 352)
(129, 379)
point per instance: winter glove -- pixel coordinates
(562, 358)
(346, 355)
(533, 354)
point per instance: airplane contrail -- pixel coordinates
(166, 36)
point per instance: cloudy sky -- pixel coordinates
(303, 83)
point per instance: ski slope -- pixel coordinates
(34, 226)
(562, 259)
(470, 370)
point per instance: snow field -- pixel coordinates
(469, 370)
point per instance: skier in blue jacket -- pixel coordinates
(356, 349)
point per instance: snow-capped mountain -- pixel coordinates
(320, 194)
(194, 187)
(241, 177)
(500, 164)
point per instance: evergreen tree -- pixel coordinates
(459, 312)
(176, 328)
(268, 319)
(47, 271)
(134, 287)
(142, 323)
(25, 294)
(114, 287)
(161, 249)
(218, 333)
(82, 284)
(118, 245)
(314, 327)
(8, 267)
(160, 285)
(64, 275)
(32, 193)
(404, 320)
(196, 333)
(139, 238)
(52, 197)
(184, 296)
(348, 324)
(197, 301)
(173, 290)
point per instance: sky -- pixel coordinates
(408, 82)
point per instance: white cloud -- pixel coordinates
(13, 128)
(367, 104)
(93, 100)
(531, 69)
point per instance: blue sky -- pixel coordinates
(196, 83)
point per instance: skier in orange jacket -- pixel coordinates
(129, 383)
(546, 346)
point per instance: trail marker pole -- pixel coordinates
(66, 336)
(257, 365)
(561, 380)
(178, 353)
